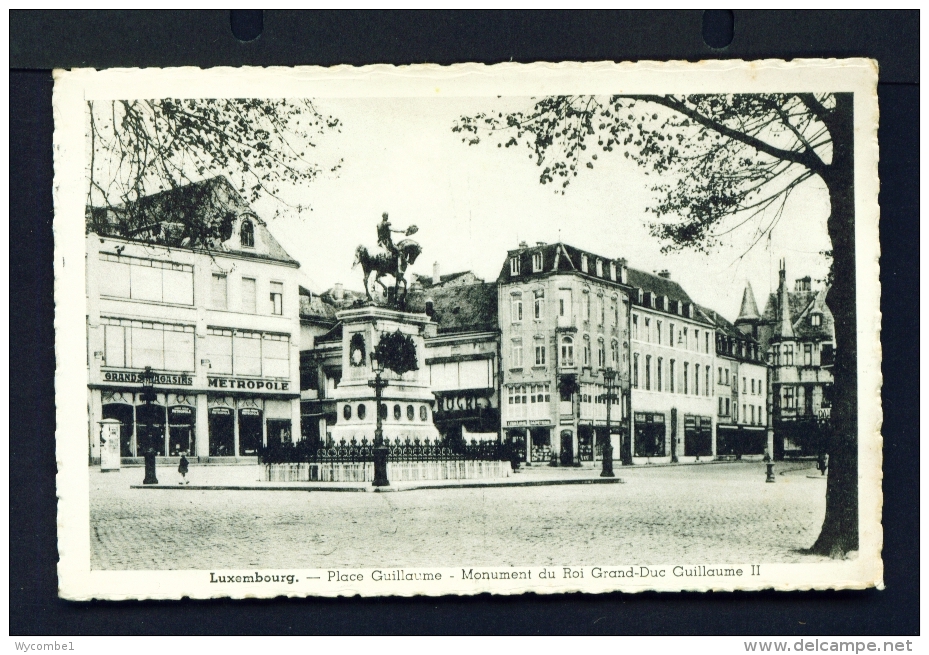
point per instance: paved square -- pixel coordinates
(712, 513)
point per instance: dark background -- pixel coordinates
(43, 40)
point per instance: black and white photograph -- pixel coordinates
(435, 330)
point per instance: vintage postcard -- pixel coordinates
(451, 330)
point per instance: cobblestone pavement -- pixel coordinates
(713, 513)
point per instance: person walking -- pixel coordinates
(182, 468)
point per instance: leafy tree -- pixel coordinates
(139, 149)
(722, 161)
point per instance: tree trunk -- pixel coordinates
(839, 533)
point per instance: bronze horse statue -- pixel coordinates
(386, 263)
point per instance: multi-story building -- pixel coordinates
(216, 319)
(462, 353)
(741, 382)
(673, 353)
(564, 320)
(798, 333)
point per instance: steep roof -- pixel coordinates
(749, 310)
(313, 308)
(800, 305)
(197, 215)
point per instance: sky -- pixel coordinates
(473, 203)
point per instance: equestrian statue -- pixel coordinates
(394, 261)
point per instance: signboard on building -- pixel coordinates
(135, 377)
(247, 385)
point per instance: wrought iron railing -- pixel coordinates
(406, 450)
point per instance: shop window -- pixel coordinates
(250, 430)
(650, 435)
(181, 433)
(247, 234)
(249, 295)
(125, 414)
(698, 436)
(277, 298)
(221, 431)
(150, 429)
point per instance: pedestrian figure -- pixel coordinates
(182, 468)
(822, 463)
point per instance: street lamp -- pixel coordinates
(609, 376)
(380, 448)
(147, 378)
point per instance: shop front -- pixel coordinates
(461, 413)
(192, 422)
(650, 434)
(738, 440)
(698, 436)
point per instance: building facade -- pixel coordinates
(798, 331)
(564, 321)
(741, 382)
(673, 354)
(217, 325)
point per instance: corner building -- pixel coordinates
(218, 324)
(564, 320)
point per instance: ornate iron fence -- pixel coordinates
(407, 450)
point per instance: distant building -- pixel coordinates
(673, 350)
(191, 283)
(798, 333)
(564, 320)
(741, 382)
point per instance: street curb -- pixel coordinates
(414, 487)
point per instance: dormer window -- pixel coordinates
(613, 271)
(816, 320)
(514, 265)
(247, 234)
(599, 268)
(584, 263)
(536, 262)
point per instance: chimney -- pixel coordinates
(523, 244)
(436, 274)
(803, 284)
(540, 243)
(338, 291)
(665, 273)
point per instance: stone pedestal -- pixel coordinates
(407, 400)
